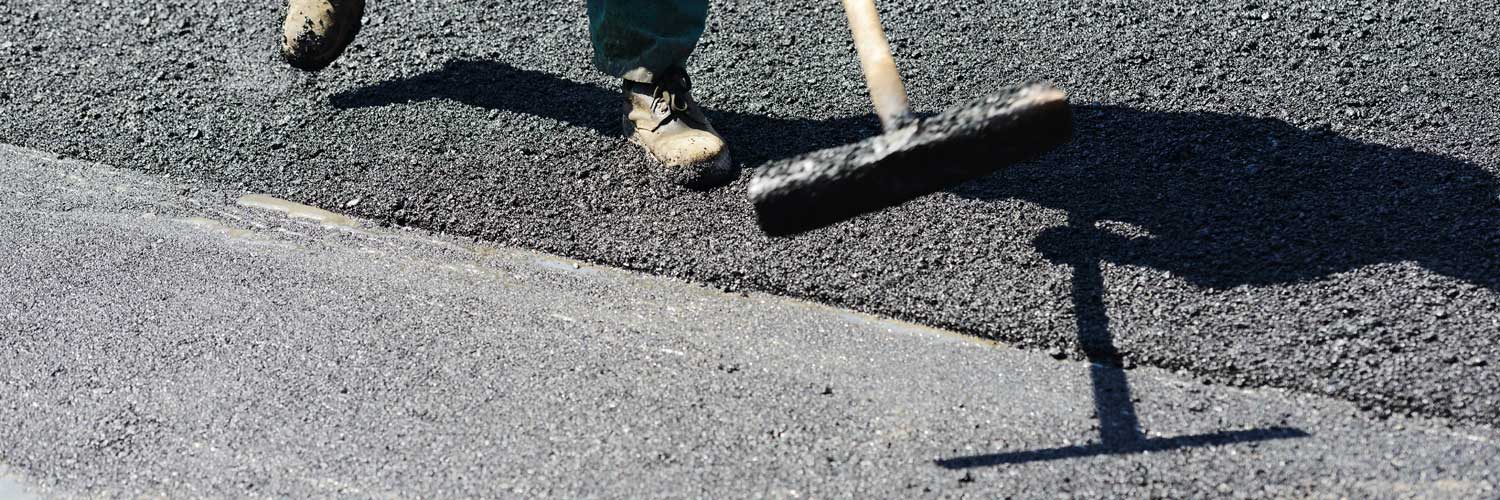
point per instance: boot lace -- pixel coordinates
(669, 98)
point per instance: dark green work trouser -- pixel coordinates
(637, 39)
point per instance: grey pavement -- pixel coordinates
(165, 338)
(14, 487)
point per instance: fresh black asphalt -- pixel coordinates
(1291, 194)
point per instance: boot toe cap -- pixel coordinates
(699, 161)
(691, 148)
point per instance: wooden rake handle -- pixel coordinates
(886, 91)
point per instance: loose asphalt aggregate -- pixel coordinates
(1300, 195)
(167, 340)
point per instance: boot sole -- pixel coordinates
(701, 175)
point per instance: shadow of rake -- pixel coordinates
(1107, 448)
(1119, 426)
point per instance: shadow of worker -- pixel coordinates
(1228, 200)
(499, 86)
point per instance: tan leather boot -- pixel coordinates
(662, 117)
(316, 31)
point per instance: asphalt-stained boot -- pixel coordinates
(662, 117)
(317, 31)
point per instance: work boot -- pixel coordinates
(316, 31)
(662, 117)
